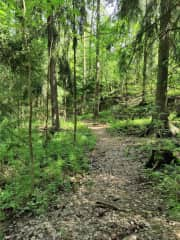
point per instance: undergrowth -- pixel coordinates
(167, 182)
(104, 117)
(121, 112)
(27, 188)
(130, 127)
(167, 179)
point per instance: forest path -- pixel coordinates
(113, 202)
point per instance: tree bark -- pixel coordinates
(52, 40)
(30, 123)
(97, 83)
(144, 71)
(126, 89)
(74, 82)
(30, 97)
(161, 114)
(145, 53)
(90, 41)
(84, 72)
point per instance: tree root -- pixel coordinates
(170, 131)
(112, 206)
(159, 158)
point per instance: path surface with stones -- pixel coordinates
(114, 201)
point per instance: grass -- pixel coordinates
(122, 112)
(54, 163)
(104, 117)
(129, 127)
(174, 92)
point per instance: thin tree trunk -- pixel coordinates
(30, 122)
(144, 70)
(90, 40)
(145, 64)
(47, 103)
(52, 37)
(47, 112)
(126, 89)
(74, 82)
(65, 57)
(30, 141)
(84, 72)
(97, 83)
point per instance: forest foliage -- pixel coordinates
(64, 61)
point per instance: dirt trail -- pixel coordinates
(112, 202)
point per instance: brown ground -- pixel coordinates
(113, 202)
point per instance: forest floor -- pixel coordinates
(114, 201)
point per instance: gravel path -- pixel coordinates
(113, 202)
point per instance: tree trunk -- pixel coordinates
(161, 114)
(90, 41)
(126, 89)
(97, 83)
(84, 72)
(30, 123)
(30, 97)
(52, 39)
(145, 53)
(74, 82)
(144, 71)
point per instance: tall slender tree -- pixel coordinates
(52, 43)
(145, 57)
(84, 71)
(30, 98)
(97, 83)
(74, 77)
(90, 39)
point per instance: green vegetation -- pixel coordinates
(130, 127)
(55, 162)
(104, 117)
(167, 183)
(114, 62)
(166, 179)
